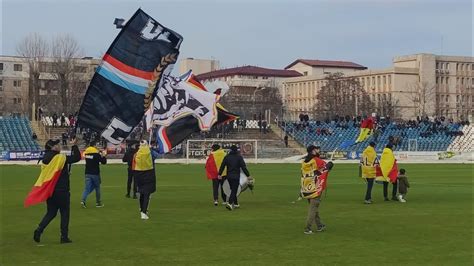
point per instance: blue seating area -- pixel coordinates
(334, 136)
(16, 135)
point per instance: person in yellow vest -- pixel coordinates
(143, 167)
(368, 164)
(213, 164)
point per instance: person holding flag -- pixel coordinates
(213, 164)
(368, 164)
(53, 187)
(144, 170)
(233, 163)
(314, 173)
(389, 171)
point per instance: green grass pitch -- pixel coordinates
(433, 228)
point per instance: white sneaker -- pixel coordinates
(236, 206)
(144, 216)
(229, 207)
(224, 203)
(400, 198)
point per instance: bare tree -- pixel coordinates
(388, 106)
(33, 48)
(65, 51)
(341, 96)
(421, 95)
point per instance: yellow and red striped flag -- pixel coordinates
(44, 186)
(213, 164)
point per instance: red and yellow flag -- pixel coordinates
(388, 166)
(213, 164)
(366, 128)
(44, 186)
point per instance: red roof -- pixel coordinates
(327, 63)
(249, 71)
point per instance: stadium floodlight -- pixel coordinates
(119, 23)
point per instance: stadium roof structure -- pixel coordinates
(327, 63)
(249, 71)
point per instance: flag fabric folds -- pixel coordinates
(366, 129)
(388, 167)
(213, 164)
(183, 107)
(369, 162)
(142, 160)
(125, 83)
(313, 186)
(183, 96)
(168, 137)
(46, 182)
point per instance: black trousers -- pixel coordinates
(144, 201)
(216, 183)
(60, 200)
(370, 184)
(130, 180)
(234, 187)
(394, 189)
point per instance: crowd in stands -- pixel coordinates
(435, 124)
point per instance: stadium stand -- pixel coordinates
(16, 135)
(465, 142)
(409, 136)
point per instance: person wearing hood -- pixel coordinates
(144, 170)
(233, 163)
(59, 164)
(94, 158)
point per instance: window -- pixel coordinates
(1, 100)
(1, 66)
(305, 73)
(16, 100)
(17, 83)
(17, 67)
(80, 69)
(1, 85)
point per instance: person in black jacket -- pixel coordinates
(94, 158)
(128, 158)
(233, 162)
(60, 200)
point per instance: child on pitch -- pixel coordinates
(403, 185)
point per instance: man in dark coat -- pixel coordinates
(128, 158)
(234, 162)
(60, 200)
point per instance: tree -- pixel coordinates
(422, 95)
(65, 51)
(388, 106)
(33, 48)
(341, 96)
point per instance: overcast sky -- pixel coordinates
(261, 32)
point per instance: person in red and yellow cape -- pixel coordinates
(143, 166)
(52, 186)
(388, 172)
(369, 163)
(213, 163)
(314, 173)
